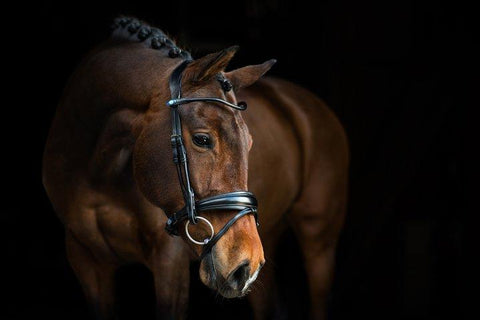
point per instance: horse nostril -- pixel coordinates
(239, 276)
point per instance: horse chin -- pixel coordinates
(229, 293)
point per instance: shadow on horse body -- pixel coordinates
(109, 174)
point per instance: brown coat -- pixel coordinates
(108, 172)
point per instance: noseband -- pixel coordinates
(242, 201)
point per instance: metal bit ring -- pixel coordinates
(205, 241)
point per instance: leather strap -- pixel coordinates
(176, 102)
(178, 147)
(209, 245)
(237, 200)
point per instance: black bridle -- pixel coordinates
(242, 201)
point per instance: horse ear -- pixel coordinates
(246, 76)
(210, 65)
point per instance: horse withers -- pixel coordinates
(137, 99)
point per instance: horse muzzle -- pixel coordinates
(236, 284)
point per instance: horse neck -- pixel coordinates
(114, 78)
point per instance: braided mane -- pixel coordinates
(132, 29)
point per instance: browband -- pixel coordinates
(176, 102)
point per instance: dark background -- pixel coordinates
(398, 75)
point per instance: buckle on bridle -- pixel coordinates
(190, 205)
(171, 225)
(174, 139)
(179, 154)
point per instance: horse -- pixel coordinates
(108, 172)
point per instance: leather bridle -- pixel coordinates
(242, 201)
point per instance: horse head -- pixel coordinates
(217, 142)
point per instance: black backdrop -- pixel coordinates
(395, 72)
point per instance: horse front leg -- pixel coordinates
(170, 266)
(95, 277)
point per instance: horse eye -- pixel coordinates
(202, 140)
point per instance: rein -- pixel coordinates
(242, 201)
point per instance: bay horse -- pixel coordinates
(109, 174)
